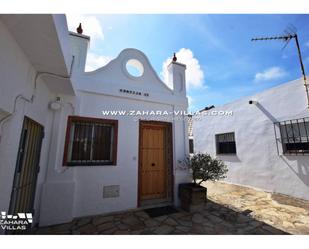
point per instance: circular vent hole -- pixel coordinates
(135, 68)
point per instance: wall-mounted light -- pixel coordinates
(55, 105)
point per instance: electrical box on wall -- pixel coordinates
(111, 191)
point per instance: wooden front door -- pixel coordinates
(153, 169)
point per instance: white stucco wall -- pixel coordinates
(257, 162)
(17, 88)
(17, 78)
(67, 192)
(80, 188)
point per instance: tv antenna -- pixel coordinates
(289, 34)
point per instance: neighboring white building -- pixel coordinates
(61, 156)
(190, 134)
(265, 144)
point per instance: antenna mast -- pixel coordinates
(289, 36)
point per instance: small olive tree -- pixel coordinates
(204, 168)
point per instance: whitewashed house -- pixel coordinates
(263, 139)
(63, 154)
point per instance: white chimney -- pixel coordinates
(177, 76)
(79, 44)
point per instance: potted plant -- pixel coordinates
(203, 167)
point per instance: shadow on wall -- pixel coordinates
(302, 170)
(302, 167)
(267, 113)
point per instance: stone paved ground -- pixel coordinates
(283, 212)
(226, 212)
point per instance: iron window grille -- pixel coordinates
(293, 136)
(225, 143)
(191, 146)
(90, 141)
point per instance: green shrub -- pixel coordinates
(204, 168)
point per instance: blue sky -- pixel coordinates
(223, 64)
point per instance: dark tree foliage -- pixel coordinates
(205, 168)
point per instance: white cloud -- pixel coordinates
(194, 73)
(90, 24)
(95, 61)
(270, 74)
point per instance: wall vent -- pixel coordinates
(111, 191)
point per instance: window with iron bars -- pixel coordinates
(191, 146)
(294, 136)
(90, 141)
(225, 143)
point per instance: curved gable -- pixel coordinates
(115, 74)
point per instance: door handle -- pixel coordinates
(153, 164)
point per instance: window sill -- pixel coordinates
(227, 154)
(295, 154)
(90, 164)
